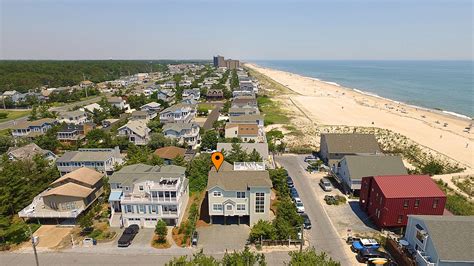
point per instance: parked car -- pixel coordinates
(294, 193)
(363, 244)
(325, 184)
(372, 255)
(306, 221)
(310, 157)
(289, 182)
(299, 206)
(128, 235)
(195, 238)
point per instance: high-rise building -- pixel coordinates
(219, 61)
(232, 64)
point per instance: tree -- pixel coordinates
(245, 257)
(33, 114)
(86, 220)
(310, 257)
(5, 143)
(155, 125)
(254, 156)
(287, 221)
(236, 154)
(432, 168)
(161, 230)
(197, 172)
(156, 160)
(158, 140)
(179, 161)
(137, 154)
(262, 230)
(98, 138)
(209, 140)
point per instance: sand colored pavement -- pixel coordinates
(330, 104)
(50, 236)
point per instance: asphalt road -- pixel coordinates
(66, 107)
(323, 235)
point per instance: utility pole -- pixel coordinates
(84, 79)
(302, 238)
(34, 245)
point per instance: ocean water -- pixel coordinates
(442, 85)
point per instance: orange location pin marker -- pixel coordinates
(217, 159)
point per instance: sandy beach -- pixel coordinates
(330, 104)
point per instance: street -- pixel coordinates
(323, 235)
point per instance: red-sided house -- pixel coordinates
(389, 199)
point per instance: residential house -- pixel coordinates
(117, 102)
(237, 93)
(183, 133)
(143, 115)
(185, 83)
(239, 194)
(247, 85)
(245, 132)
(67, 197)
(136, 131)
(236, 111)
(152, 107)
(166, 95)
(178, 113)
(441, 240)
(73, 117)
(28, 152)
(169, 85)
(92, 107)
(14, 96)
(192, 94)
(32, 128)
(86, 84)
(103, 160)
(244, 102)
(389, 199)
(142, 194)
(169, 153)
(352, 168)
(334, 146)
(247, 119)
(214, 94)
(71, 133)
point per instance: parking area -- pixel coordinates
(219, 238)
(141, 240)
(50, 236)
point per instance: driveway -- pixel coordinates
(323, 235)
(219, 238)
(50, 236)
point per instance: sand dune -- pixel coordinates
(331, 104)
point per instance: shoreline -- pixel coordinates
(334, 105)
(439, 111)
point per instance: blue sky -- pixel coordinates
(103, 29)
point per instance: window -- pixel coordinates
(217, 207)
(435, 203)
(153, 209)
(405, 204)
(417, 203)
(240, 194)
(259, 202)
(126, 188)
(217, 194)
(140, 188)
(377, 211)
(141, 209)
(380, 201)
(154, 194)
(420, 236)
(128, 209)
(400, 219)
(241, 207)
(229, 207)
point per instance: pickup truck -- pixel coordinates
(363, 244)
(128, 235)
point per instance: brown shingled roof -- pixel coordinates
(69, 189)
(170, 152)
(83, 174)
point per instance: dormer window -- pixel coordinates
(140, 188)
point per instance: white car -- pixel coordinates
(299, 206)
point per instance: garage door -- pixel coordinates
(131, 221)
(150, 222)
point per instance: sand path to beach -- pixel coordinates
(328, 104)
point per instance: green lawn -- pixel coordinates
(207, 106)
(13, 114)
(273, 113)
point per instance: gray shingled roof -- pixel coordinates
(245, 118)
(139, 127)
(452, 236)
(373, 165)
(131, 174)
(26, 152)
(35, 123)
(177, 107)
(178, 127)
(86, 156)
(351, 143)
(231, 180)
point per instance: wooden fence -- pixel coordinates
(397, 253)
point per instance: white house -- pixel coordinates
(239, 194)
(178, 113)
(183, 132)
(73, 117)
(136, 131)
(102, 160)
(142, 194)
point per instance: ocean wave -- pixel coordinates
(456, 114)
(332, 83)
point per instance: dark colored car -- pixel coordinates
(128, 235)
(289, 182)
(194, 240)
(306, 221)
(294, 193)
(366, 255)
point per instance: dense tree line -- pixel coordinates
(25, 75)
